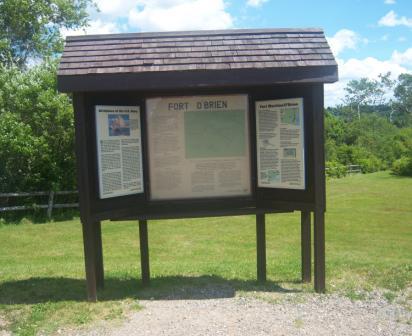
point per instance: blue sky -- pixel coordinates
(368, 37)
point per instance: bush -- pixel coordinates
(335, 169)
(371, 164)
(402, 166)
(36, 131)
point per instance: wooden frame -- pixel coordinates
(139, 207)
(272, 200)
(264, 64)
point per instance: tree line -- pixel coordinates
(372, 127)
(36, 122)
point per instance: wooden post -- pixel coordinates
(305, 223)
(144, 252)
(50, 204)
(320, 187)
(83, 184)
(319, 241)
(90, 259)
(99, 255)
(261, 247)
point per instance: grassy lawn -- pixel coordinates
(368, 246)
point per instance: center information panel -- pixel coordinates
(198, 147)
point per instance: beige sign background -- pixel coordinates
(198, 146)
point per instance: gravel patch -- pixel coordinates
(270, 314)
(3, 326)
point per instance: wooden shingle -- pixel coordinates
(90, 59)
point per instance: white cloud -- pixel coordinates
(95, 27)
(369, 67)
(390, 2)
(180, 15)
(343, 39)
(404, 58)
(160, 15)
(116, 7)
(255, 3)
(104, 21)
(391, 19)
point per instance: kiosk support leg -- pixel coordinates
(90, 258)
(319, 240)
(99, 255)
(305, 224)
(144, 252)
(261, 247)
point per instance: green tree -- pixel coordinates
(31, 28)
(36, 134)
(362, 92)
(365, 93)
(403, 149)
(21, 154)
(403, 103)
(335, 130)
(376, 135)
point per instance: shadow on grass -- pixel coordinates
(40, 290)
(38, 216)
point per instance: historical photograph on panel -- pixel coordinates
(119, 124)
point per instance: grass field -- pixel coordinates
(368, 246)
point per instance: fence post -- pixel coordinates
(50, 205)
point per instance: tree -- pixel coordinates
(30, 29)
(363, 92)
(20, 152)
(403, 147)
(36, 131)
(403, 103)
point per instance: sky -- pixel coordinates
(367, 37)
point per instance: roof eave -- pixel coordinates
(193, 33)
(171, 80)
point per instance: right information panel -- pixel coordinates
(280, 143)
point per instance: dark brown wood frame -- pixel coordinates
(263, 200)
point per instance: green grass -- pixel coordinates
(368, 245)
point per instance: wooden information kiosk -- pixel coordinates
(198, 124)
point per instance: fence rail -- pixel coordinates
(354, 169)
(350, 169)
(49, 206)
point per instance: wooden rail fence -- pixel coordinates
(350, 169)
(49, 206)
(354, 169)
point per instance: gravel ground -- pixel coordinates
(284, 314)
(3, 325)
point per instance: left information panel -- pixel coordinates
(119, 150)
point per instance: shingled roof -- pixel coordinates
(196, 58)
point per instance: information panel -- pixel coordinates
(119, 150)
(280, 143)
(198, 146)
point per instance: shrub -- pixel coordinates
(402, 166)
(335, 169)
(371, 164)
